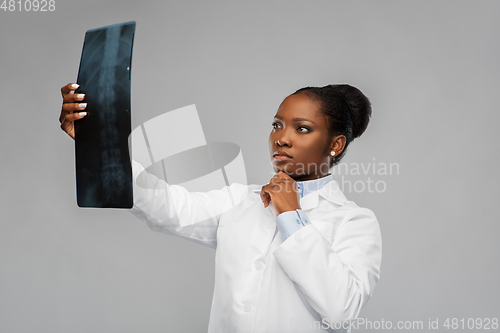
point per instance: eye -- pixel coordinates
(275, 125)
(303, 129)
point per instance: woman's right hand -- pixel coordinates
(71, 102)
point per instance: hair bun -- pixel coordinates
(359, 106)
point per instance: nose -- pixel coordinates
(284, 138)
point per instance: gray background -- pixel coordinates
(432, 73)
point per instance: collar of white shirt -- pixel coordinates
(308, 186)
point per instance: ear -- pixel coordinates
(338, 144)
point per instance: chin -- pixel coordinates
(286, 168)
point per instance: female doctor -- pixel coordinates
(293, 255)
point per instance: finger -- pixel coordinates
(71, 98)
(278, 178)
(268, 191)
(283, 175)
(275, 185)
(264, 196)
(278, 181)
(70, 87)
(283, 179)
(72, 117)
(70, 107)
(283, 185)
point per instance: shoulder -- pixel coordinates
(347, 209)
(354, 211)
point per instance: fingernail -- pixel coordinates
(82, 105)
(74, 85)
(82, 114)
(80, 95)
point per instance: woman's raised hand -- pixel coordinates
(71, 102)
(282, 190)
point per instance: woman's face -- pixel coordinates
(300, 131)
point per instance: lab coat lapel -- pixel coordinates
(269, 210)
(310, 201)
(331, 192)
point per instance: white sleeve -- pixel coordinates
(173, 210)
(337, 278)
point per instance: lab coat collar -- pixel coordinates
(330, 191)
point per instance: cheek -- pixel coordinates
(314, 150)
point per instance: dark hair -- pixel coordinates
(347, 111)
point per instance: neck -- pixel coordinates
(304, 178)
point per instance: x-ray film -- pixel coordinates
(103, 168)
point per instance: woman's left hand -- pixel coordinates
(283, 191)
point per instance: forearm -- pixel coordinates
(174, 210)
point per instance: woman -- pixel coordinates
(293, 255)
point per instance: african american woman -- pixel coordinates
(293, 255)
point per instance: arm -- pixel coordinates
(168, 208)
(337, 280)
(174, 210)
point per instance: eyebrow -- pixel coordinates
(295, 119)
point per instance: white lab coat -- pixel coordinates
(315, 281)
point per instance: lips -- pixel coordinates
(281, 153)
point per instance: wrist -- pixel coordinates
(287, 209)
